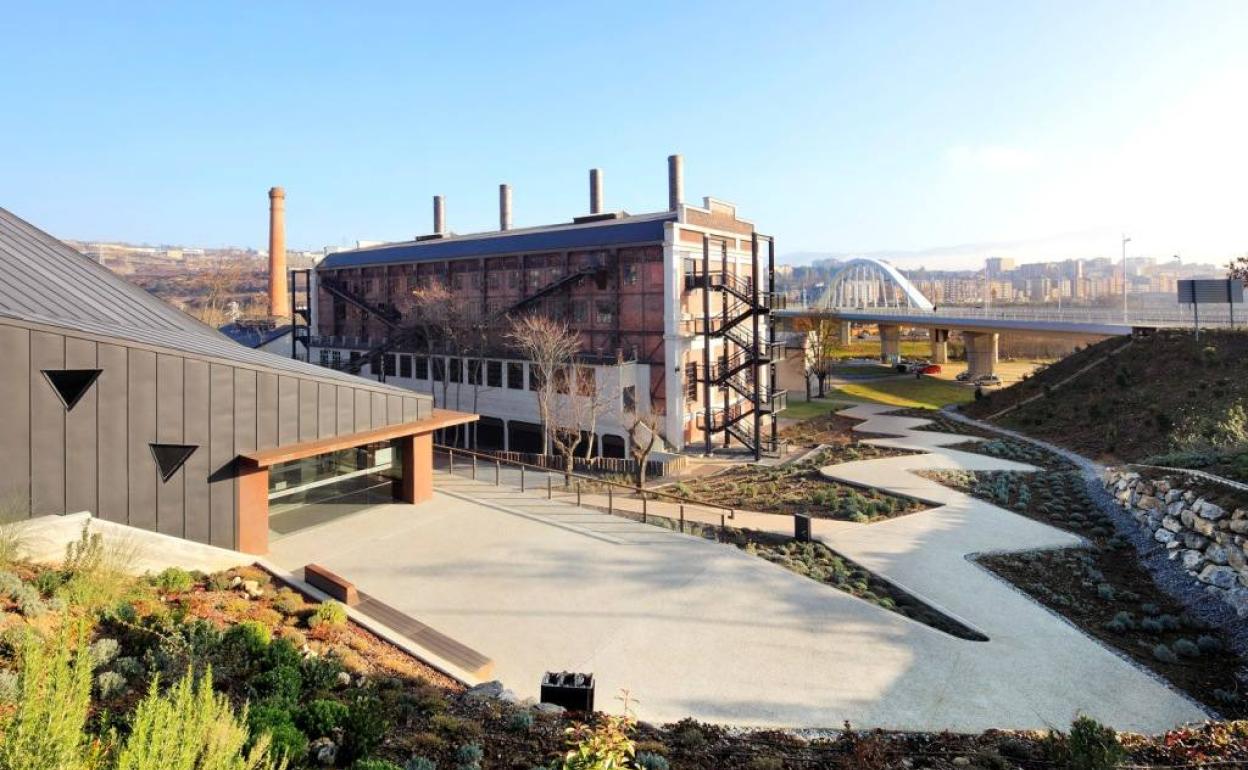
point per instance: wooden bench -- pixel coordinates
(338, 587)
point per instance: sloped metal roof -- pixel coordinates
(44, 281)
(640, 228)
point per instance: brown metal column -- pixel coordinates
(771, 335)
(756, 364)
(723, 311)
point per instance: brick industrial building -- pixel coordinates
(657, 333)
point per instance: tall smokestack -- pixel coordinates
(279, 298)
(439, 215)
(675, 181)
(504, 207)
(595, 191)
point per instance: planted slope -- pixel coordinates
(1162, 394)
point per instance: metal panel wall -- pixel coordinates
(81, 451)
(15, 417)
(47, 426)
(170, 495)
(327, 410)
(113, 441)
(266, 410)
(307, 410)
(221, 497)
(141, 406)
(287, 410)
(346, 409)
(197, 432)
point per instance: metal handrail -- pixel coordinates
(646, 494)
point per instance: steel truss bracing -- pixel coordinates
(744, 371)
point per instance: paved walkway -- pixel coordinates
(694, 628)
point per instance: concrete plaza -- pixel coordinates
(695, 628)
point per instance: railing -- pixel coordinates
(1210, 315)
(621, 465)
(625, 500)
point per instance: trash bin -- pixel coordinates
(575, 692)
(801, 527)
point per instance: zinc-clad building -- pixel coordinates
(113, 402)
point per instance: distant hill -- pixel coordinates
(1167, 394)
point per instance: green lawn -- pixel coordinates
(804, 410)
(871, 349)
(926, 393)
(861, 370)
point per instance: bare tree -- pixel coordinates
(550, 347)
(820, 351)
(645, 434)
(217, 287)
(445, 325)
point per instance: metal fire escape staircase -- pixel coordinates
(746, 350)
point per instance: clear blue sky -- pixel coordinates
(836, 126)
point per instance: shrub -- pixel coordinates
(647, 760)
(283, 683)
(173, 580)
(53, 696)
(469, 756)
(109, 683)
(321, 717)
(1105, 591)
(97, 571)
(103, 651)
(288, 602)
(1208, 644)
(273, 721)
(765, 763)
(48, 581)
(188, 728)
(10, 687)
(603, 746)
(1186, 648)
(127, 667)
(362, 730)
(248, 637)
(329, 613)
(13, 539)
(375, 764)
(420, 763)
(1094, 746)
(1164, 654)
(320, 674)
(520, 722)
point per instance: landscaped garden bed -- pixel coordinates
(799, 488)
(1104, 589)
(943, 423)
(100, 671)
(1018, 451)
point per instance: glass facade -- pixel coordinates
(323, 487)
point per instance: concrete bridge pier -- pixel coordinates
(940, 346)
(890, 343)
(844, 332)
(981, 352)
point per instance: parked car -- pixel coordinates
(963, 376)
(988, 379)
(931, 369)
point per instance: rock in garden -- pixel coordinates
(549, 708)
(1186, 515)
(485, 690)
(343, 680)
(1163, 536)
(1194, 541)
(1172, 524)
(1238, 598)
(1216, 554)
(1174, 495)
(252, 588)
(1203, 526)
(1220, 577)
(1192, 560)
(324, 751)
(1235, 558)
(1149, 503)
(1210, 511)
(1239, 526)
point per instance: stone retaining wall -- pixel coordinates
(1210, 541)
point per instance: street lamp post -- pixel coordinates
(1125, 241)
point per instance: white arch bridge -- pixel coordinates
(872, 291)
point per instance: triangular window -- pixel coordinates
(170, 457)
(71, 384)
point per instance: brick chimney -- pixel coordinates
(595, 191)
(279, 296)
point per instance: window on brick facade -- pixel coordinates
(630, 274)
(580, 311)
(335, 358)
(561, 380)
(494, 374)
(604, 313)
(515, 375)
(324, 357)
(630, 398)
(405, 366)
(691, 381)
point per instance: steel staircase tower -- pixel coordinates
(746, 350)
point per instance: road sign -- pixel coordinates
(1211, 292)
(1226, 291)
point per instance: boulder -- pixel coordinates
(1174, 496)
(1238, 526)
(1219, 577)
(486, 690)
(1208, 510)
(324, 751)
(1186, 515)
(1163, 536)
(549, 708)
(1235, 557)
(1203, 526)
(1192, 560)
(1238, 598)
(1194, 541)
(1149, 503)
